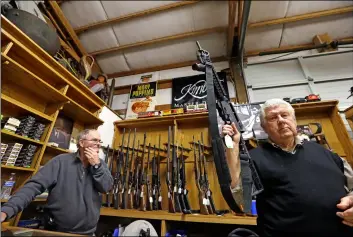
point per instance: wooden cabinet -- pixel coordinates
(33, 83)
(349, 116)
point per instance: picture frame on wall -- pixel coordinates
(62, 131)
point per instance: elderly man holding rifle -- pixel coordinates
(307, 188)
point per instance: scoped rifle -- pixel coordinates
(124, 177)
(217, 100)
(171, 207)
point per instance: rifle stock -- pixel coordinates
(159, 191)
(171, 206)
(200, 185)
(149, 202)
(142, 200)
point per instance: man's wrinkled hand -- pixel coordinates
(3, 216)
(231, 130)
(346, 205)
(92, 156)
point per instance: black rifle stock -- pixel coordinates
(131, 188)
(120, 157)
(171, 207)
(184, 194)
(159, 191)
(142, 200)
(123, 191)
(217, 101)
(108, 194)
(175, 175)
(154, 180)
(149, 200)
(199, 182)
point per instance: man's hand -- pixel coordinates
(92, 156)
(346, 205)
(3, 216)
(232, 130)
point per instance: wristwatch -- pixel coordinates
(96, 166)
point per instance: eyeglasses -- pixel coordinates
(95, 141)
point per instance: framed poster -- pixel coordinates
(142, 99)
(192, 90)
(62, 131)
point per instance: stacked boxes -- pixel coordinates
(26, 155)
(26, 125)
(3, 149)
(37, 131)
(11, 124)
(12, 152)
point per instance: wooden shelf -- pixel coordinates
(11, 134)
(24, 47)
(28, 81)
(164, 215)
(19, 109)
(56, 150)
(77, 112)
(17, 168)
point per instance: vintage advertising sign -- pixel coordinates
(142, 99)
(192, 90)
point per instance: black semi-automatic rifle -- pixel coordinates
(199, 180)
(183, 191)
(149, 201)
(217, 100)
(171, 207)
(154, 180)
(131, 182)
(124, 188)
(118, 184)
(207, 184)
(159, 189)
(142, 179)
(175, 174)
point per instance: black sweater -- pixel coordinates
(301, 191)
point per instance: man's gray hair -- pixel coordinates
(272, 103)
(82, 135)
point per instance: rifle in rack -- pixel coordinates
(106, 160)
(171, 207)
(175, 176)
(142, 179)
(204, 208)
(184, 192)
(217, 100)
(207, 184)
(123, 192)
(131, 186)
(154, 180)
(159, 190)
(110, 167)
(135, 183)
(117, 180)
(148, 182)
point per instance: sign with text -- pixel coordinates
(192, 90)
(142, 99)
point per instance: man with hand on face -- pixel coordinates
(306, 187)
(74, 182)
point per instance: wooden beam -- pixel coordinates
(240, 87)
(240, 14)
(160, 68)
(133, 15)
(62, 19)
(232, 7)
(302, 47)
(159, 40)
(302, 17)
